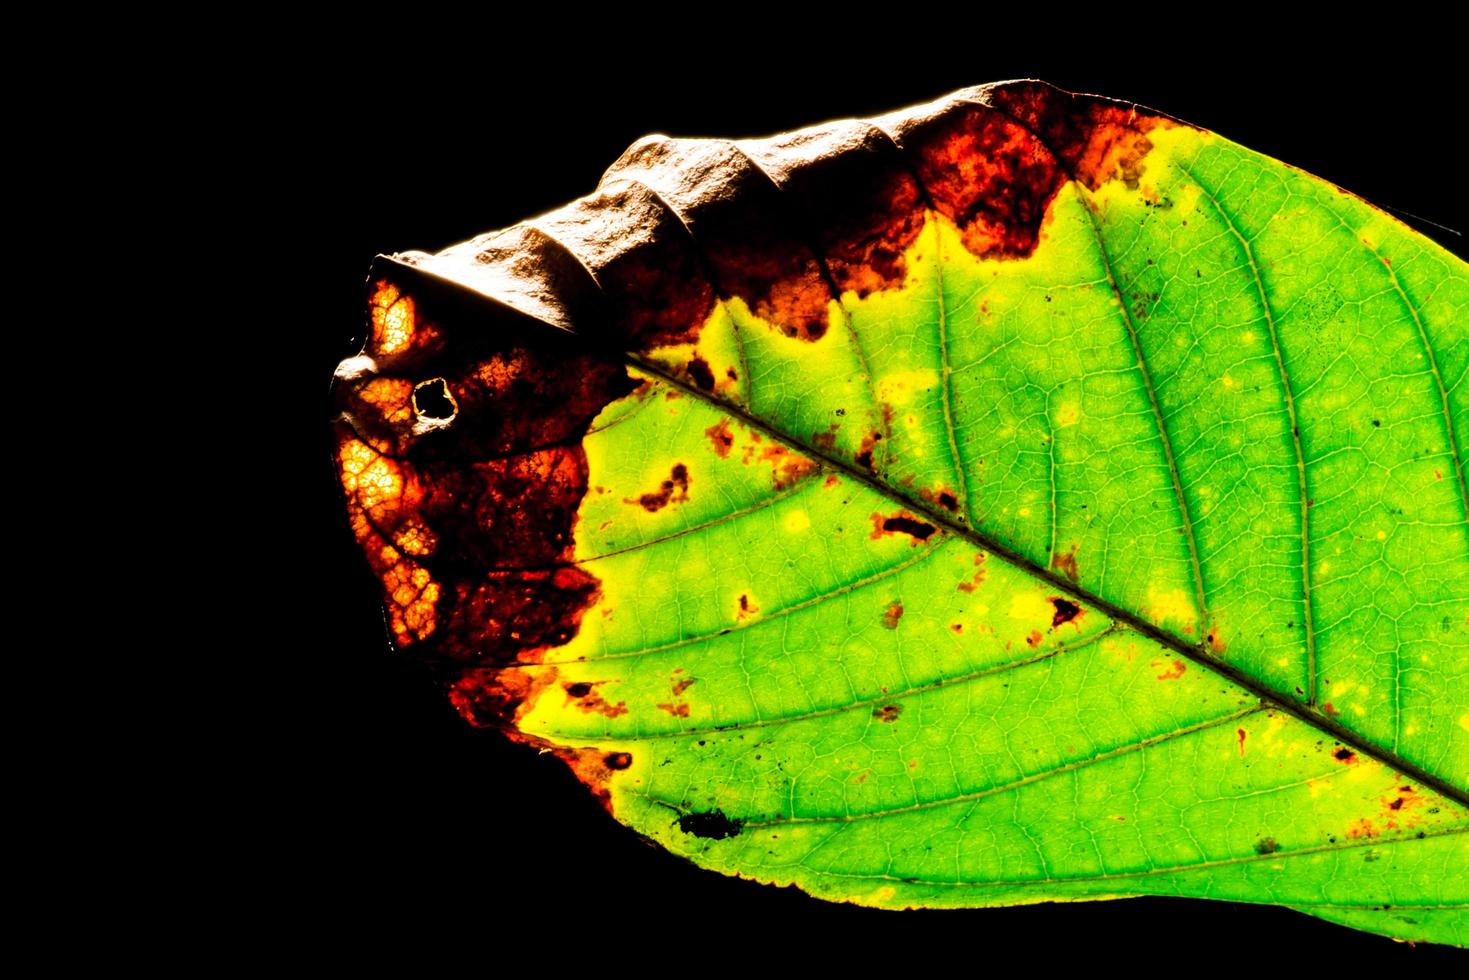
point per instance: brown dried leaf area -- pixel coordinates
(467, 523)
(993, 170)
(789, 224)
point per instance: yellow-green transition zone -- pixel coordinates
(1225, 400)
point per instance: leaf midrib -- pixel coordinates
(1121, 615)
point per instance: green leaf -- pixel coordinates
(1024, 497)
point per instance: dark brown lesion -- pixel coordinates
(674, 490)
(884, 525)
(1066, 611)
(887, 713)
(720, 438)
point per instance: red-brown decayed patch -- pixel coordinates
(1241, 735)
(865, 252)
(390, 400)
(472, 574)
(989, 175)
(398, 333)
(892, 615)
(1345, 756)
(1033, 639)
(678, 709)
(490, 696)
(1170, 670)
(787, 468)
(682, 684)
(747, 607)
(1362, 828)
(1097, 140)
(720, 438)
(1330, 709)
(1402, 807)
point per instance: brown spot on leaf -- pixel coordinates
(1066, 611)
(1330, 709)
(587, 699)
(977, 579)
(683, 684)
(720, 438)
(678, 710)
(1266, 845)
(673, 490)
(1033, 638)
(1173, 671)
(1362, 828)
(1241, 734)
(892, 615)
(900, 523)
(888, 712)
(617, 760)
(1066, 563)
(1344, 755)
(786, 467)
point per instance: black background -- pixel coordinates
(392, 824)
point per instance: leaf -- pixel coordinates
(1023, 497)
